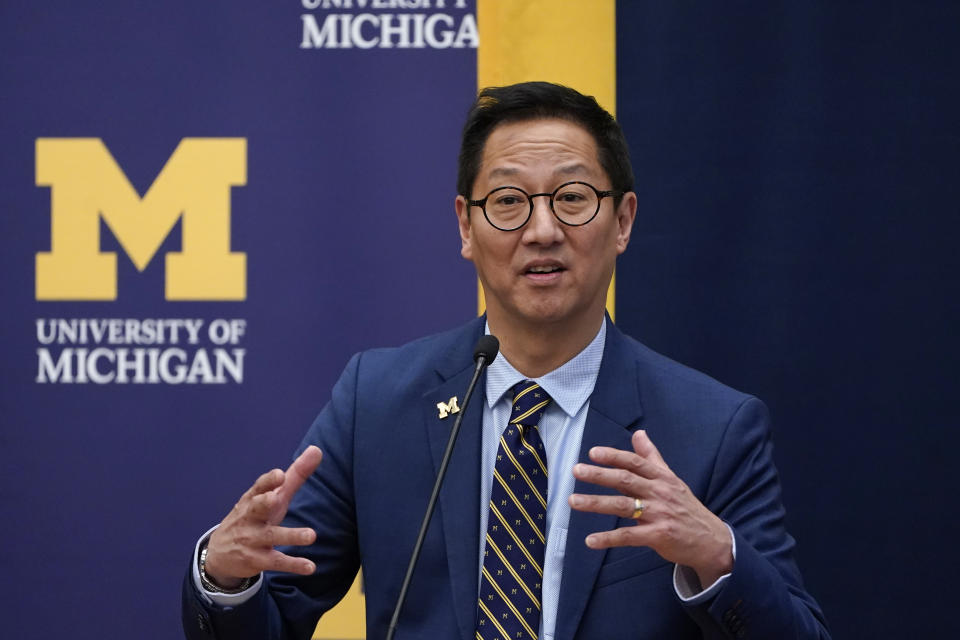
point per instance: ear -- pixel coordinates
(626, 213)
(463, 218)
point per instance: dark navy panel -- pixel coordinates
(798, 180)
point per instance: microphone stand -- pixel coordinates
(481, 364)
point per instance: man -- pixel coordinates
(561, 518)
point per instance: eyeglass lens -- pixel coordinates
(573, 203)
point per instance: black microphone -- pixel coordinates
(483, 354)
(487, 348)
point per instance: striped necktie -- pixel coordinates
(509, 602)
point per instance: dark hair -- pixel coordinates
(533, 101)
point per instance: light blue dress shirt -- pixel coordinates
(561, 429)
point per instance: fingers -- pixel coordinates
(263, 507)
(622, 537)
(674, 522)
(277, 561)
(289, 537)
(243, 544)
(252, 562)
(267, 482)
(622, 506)
(643, 445)
(253, 538)
(626, 482)
(267, 500)
(238, 552)
(298, 472)
(301, 468)
(631, 473)
(635, 463)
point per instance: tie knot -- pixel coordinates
(529, 403)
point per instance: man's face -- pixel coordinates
(546, 272)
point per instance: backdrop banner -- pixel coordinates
(207, 208)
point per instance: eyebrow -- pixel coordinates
(503, 171)
(569, 169)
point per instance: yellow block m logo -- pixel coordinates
(86, 184)
(446, 408)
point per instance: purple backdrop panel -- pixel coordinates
(323, 156)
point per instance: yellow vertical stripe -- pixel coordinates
(570, 42)
(347, 620)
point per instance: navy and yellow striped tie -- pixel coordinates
(509, 603)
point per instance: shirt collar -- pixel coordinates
(569, 385)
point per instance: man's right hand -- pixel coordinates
(243, 545)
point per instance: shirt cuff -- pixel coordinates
(687, 585)
(212, 597)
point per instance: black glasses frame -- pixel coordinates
(482, 203)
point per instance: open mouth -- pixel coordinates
(544, 269)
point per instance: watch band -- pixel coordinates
(207, 582)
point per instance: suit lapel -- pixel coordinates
(614, 413)
(457, 507)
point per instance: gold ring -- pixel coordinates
(637, 509)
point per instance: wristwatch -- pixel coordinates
(207, 582)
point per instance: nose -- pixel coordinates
(543, 227)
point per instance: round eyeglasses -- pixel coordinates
(573, 203)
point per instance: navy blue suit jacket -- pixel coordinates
(382, 440)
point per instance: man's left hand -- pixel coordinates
(674, 523)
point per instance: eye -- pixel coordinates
(508, 200)
(570, 196)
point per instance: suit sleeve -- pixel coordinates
(764, 596)
(288, 606)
